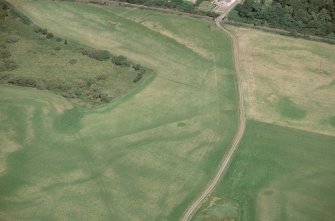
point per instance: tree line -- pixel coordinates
(309, 17)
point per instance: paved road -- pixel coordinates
(239, 133)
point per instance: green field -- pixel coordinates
(145, 156)
(279, 174)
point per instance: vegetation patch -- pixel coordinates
(36, 58)
(289, 109)
(332, 121)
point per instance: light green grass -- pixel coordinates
(145, 157)
(278, 173)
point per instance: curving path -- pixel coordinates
(239, 133)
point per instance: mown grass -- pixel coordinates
(144, 157)
(278, 173)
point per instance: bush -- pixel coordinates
(58, 39)
(54, 84)
(99, 55)
(12, 39)
(101, 77)
(138, 78)
(8, 65)
(137, 67)
(50, 35)
(4, 76)
(73, 61)
(44, 31)
(37, 29)
(65, 42)
(4, 53)
(120, 60)
(57, 48)
(105, 98)
(23, 81)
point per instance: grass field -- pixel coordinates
(279, 174)
(288, 81)
(143, 157)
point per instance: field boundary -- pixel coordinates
(280, 32)
(130, 5)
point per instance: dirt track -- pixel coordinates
(239, 133)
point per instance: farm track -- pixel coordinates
(239, 133)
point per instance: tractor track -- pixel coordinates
(239, 133)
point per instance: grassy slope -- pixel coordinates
(145, 157)
(278, 174)
(288, 81)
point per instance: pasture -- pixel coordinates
(145, 156)
(278, 173)
(288, 81)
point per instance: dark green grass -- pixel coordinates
(284, 173)
(289, 109)
(332, 121)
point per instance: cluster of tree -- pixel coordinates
(310, 17)
(179, 5)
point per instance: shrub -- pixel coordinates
(23, 81)
(57, 48)
(90, 82)
(4, 76)
(101, 77)
(138, 78)
(137, 67)
(65, 42)
(50, 35)
(2, 67)
(9, 65)
(120, 60)
(4, 53)
(73, 61)
(44, 31)
(105, 98)
(12, 39)
(54, 84)
(99, 55)
(58, 39)
(37, 29)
